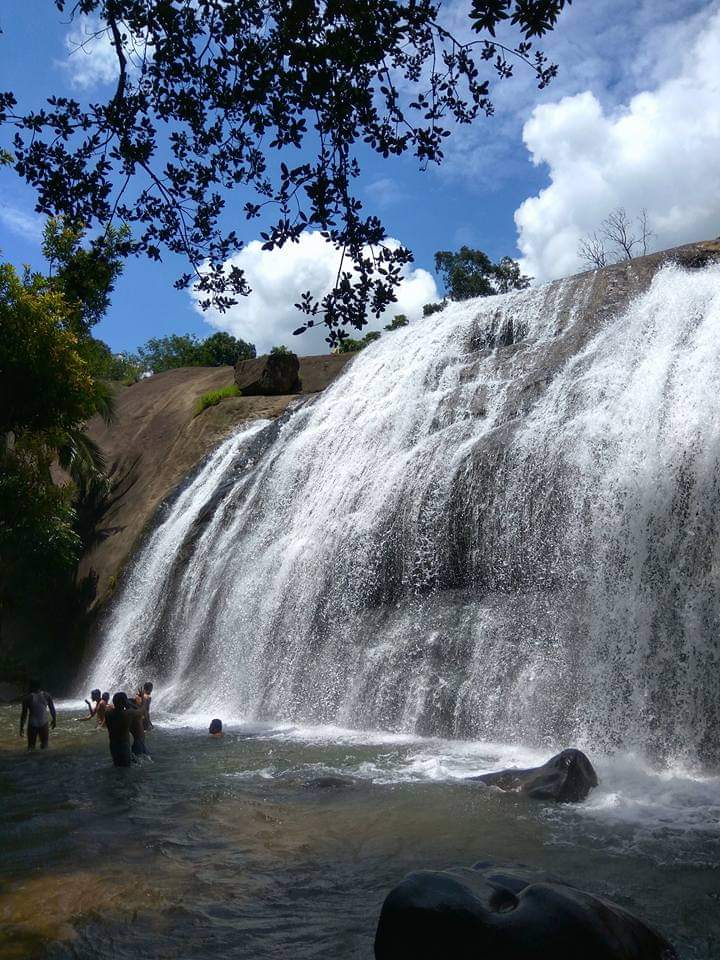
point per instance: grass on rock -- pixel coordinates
(213, 397)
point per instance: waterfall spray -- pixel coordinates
(500, 522)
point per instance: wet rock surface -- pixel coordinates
(568, 777)
(504, 912)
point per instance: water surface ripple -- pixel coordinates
(220, 847)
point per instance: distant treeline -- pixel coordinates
(167, 353)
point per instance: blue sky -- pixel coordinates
(633, 120)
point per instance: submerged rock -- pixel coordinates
(273, 375)
(567, 777)
(329, 783)
(507, 914)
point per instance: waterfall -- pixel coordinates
(501, 522)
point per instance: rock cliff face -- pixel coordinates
(156, 441)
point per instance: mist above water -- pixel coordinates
(500, 523)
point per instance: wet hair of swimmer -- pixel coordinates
(95, 695)
(105, 697)
(120, 701)
(148, 687)
(215, 727)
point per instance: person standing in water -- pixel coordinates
(118, 721)
(92, 706)
(35, 708)
(147, 689)
(137, 727)
(102, 708)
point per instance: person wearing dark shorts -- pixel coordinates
(35, 708)
(118, 722)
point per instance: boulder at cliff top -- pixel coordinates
(567, 777)
(506, 914)
(273, 375)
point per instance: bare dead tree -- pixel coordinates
(618, 239)
(617, 228)
(646, 234)
(592, 251)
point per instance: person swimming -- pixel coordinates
(118, 721)
(35, 708)
(216, 729)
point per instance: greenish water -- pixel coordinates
(219, 847)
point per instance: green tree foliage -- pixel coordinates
(206, 91)
(38, 540)
(399, 320)
(47, 391)
(45, 386)
(221, 349)
(168, 353)
(103, 364)
(508, 276)
(352, 345)
(471, 273)
(83, 271)
(430, 308)
(187, 350)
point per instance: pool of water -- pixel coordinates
(220, 847)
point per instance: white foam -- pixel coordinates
(568, 484)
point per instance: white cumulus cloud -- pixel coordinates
(278, 278)
(91, 59)
(27, 225)
(658, 151)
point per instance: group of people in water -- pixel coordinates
(126, 719)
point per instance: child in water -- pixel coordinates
(216, 729)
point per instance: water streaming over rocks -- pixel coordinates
(499, 523)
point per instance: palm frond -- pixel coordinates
(105, 401)
(82, 458)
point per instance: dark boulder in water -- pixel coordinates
(567, 777)
(506, 914)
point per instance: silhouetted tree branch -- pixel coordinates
(273, 97)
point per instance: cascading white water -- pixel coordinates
(499, 522)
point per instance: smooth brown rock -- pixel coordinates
(156, 440)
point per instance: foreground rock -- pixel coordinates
(491, 914)
(273, 375)
(567, 777)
